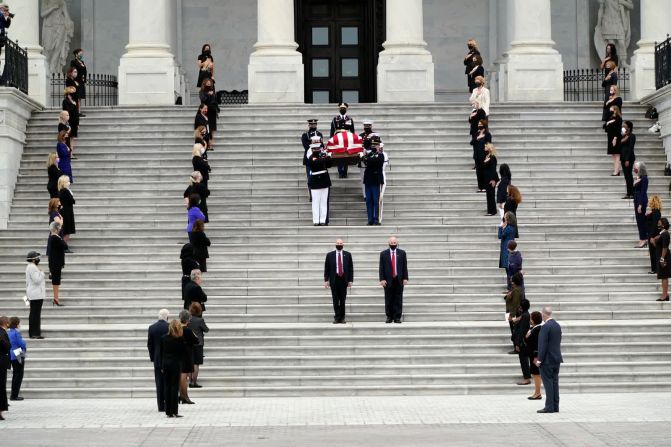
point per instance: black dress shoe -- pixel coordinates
(69, 251)
(539, 397)
(342, 321)
(389, 320)
(196, 385)
(178, 416)
(81, 114)
(513, 352)
(19, 398)
(397, 321)
(336, 321)
(37, 337)
(544, 411)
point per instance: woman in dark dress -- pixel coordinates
(502, 188)
(652, 216)
(513, 199)
(54, 215)
(57, 247)
(208, 96)
(78, 64)
(476, 69)
(532, 352)
(611, 56)
(205, 64)
(641, 201)
(196, 186)
(200, 164)
(614, 132)
(628, 157)
(482, 138)
(470, 61)
(70, 105)
(172, 355)
(202, 119)
(664, 263)
(189, 263)
(54, 174)
(506, 234)
(490, 177)
(522, 324)
(190, 340)
(199, 328)
(200, 243)
(64, 125)
(609, 79)
(67, 207)
(613, 99)
(71, 81)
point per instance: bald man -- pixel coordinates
(338, 276)
(393, 277)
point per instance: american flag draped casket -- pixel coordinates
(345, 146)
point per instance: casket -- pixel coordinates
(345, 147)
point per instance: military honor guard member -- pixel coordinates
(306, 139)
(365, 136)
(373, 179)
(338, 276)
(385, 166)
(319, 183)
(393, 274)
(348, 125)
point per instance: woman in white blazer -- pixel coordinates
(36, 293)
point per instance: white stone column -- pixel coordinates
(25, 29)
(534, 68)
(405, 71)
(147, 70)
(275, 68)
(655, 20)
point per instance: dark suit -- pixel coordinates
(5, 364)
(393, 292)
(194, 293)
(155, 334)
(627, 159)
(549, 354)
(339, 283)
(172, 355)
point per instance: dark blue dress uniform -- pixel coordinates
(342, 121)
(373, 179)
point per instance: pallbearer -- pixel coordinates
(365, 136)
(385, 166)
(347, 123)
(373, 180)
(319, 183)
(306, 139)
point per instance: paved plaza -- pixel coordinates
(584, 420)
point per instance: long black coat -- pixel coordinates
(201, 165)
(68, 211)
(52, 185)
(57, 247)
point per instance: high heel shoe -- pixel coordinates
(666, 298)
(56, 303)
(185, 401)
(539, 397)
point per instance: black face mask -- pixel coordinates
(343, 111)
(393, 247)
(339, 247)
(36, 261)
(60, 207)
(368, 130)
(470, 47)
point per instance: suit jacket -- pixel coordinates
(331, 267)
(193, 292)
(155, 334)
(549, 344)
(173, 351)
(627, 149)
(5, 346)
(385, 265)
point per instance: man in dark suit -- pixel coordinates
(155, 334)
(549, 359)
(342, 121)
(393, 277)
(338, 276)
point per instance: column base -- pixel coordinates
(275, 77)
(643, 73)
(405, 78)
(146, 80)
(661, 100)
(534, 74)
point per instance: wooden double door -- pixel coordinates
(340, 41)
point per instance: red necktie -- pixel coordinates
(340, 272)
(393, 264)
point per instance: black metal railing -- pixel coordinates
(233, 97)
(15, 73)
(663, 63)
(101, 90)
(584, 84)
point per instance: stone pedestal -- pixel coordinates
(661, 100)
(405, 70)
(655, 19)
(25, 29)
(534, 69)
(148, 70)
(15, 111)
(275, 68)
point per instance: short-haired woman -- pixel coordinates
(628, 157)
(502, 189)
(57, 248)
(190, 340)
(193, 213)
(200, 164)
(652, 216)
(54, 211)
(613, 99)
(664, 263)
(18, 360)
(67, 207)
(514, 262)
(189, 264)
(481, 139)
(513, 301)
(200, 243)
(532, 352)
(172, 353)
(64, 155)
(490, 177)
(506, 234)
(522, 324)
(36, 294)
(54, 174)
(64, 125)
(641, 201)
(70, 105)
(476, 70)
(471, 60)
(208, 96)
(205, 64)
(196, 186)
(199, 328)
(614, 132)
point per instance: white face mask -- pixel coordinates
(202, 150)
(58, 160)
(624, 131)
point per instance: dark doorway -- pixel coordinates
(340, 41)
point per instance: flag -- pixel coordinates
(345, 143)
